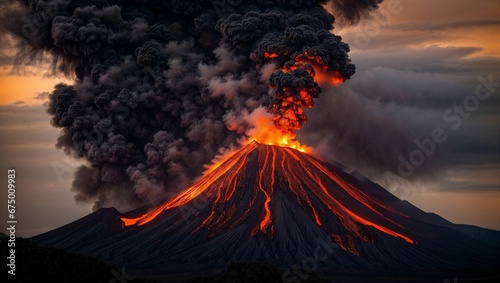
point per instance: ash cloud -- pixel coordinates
(157, 81)
(352, 11)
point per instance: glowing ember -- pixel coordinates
(295, 87)
(270, 55)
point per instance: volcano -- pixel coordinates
(280, 206)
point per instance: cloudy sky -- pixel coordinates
(417, 62)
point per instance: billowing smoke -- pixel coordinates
(156, 82)
(350, 12)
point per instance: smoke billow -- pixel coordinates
(350, 12)
(156, 82)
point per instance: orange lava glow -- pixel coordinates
(321, 75)
(263, 131)
(291, 99)
(270, 55)
(266, 132)
(320, 191)
(323, 78)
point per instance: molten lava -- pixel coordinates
(248, 184)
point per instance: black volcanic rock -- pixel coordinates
(277, 205)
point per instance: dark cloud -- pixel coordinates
(352, 11)
(433, 26)
(5, 60)
(463, 63)
(376, 117)
(18, 102)
(479, 178)
(42, 96)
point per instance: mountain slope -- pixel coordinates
(277, 205)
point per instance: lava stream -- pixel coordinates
(320, 191)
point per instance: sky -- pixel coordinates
(415, 62)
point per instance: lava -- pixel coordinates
(321, 192)
(195, 190)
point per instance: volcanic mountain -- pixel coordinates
(281, 206)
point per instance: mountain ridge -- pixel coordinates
(277, 205)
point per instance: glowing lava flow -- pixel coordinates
(333, 204)
(267, 217)
(241, 191)
(195, 190)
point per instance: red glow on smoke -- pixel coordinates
(290, 101)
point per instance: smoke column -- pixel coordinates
(159, 84)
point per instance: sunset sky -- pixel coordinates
(424, 57)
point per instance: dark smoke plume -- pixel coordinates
(351, 11)
(156, 81)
